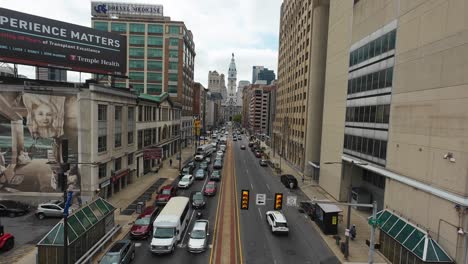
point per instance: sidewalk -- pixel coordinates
(126, 196)
(358, 249)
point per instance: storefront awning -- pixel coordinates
(411, 237)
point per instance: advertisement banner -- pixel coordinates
(38, 41)
(32, 127)
(152, 153)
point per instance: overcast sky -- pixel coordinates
(247, 28)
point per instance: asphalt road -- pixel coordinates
(181, 255)
(259, 245)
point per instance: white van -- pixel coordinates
(205, 150)
(170, 225)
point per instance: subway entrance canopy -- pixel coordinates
(413, 239)
(86, 226)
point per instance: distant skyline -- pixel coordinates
(247, 28)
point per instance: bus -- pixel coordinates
(170, 225)
(205, 150)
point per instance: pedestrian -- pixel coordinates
(170, 162)
(352, 232)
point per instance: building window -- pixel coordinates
(104, 26)
(173, 77)
(137, 76)
(154, 77)
(136, 64)
(130, 125)
(118, 127)
(117, 164)
(374, 48)
(137, 40)
(155, 41)
(173, 54)
(147, 137)
(119, 27)
(173, 42)
(372, 81)
(173, 65)
(137, 53)
(174, 30)
(102, 171)
(154, 65)
(102, 128)
(155, 28)
(155, 53)
(172, 89)
(367, 146)
(137, 28)
(154, 88)
(140, 139)
(130, 159)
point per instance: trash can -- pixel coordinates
(140, 207)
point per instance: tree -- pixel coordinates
(237, 118)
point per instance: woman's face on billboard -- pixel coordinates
(43, 115)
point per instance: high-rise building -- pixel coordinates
(255, 71)
(217, 84)
(161, 52)
(232, 105)
(301, 76)
(51, 74)
(266, 75)
(258, 112)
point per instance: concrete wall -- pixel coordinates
(334, 106)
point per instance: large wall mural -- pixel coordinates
(32, 129)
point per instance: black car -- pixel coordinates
(289, 181)
(188, 169)
(197, 200)
(13, 208)
(215, 175)
(123, 251)
(263, 163)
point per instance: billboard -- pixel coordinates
(32, 127)
(152, 153)
(33, 40)
(110, 9)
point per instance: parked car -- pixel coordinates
(263, 163)
(52, 208)
(143, 225)
(197, 200)
(185, 182)
(289, 181)
(218, 164)
(204, 165)
(210, 188)
(277, 222)
(123, 251)
(13, 208)
(165, 194)
(258, 154)
(215, 175)
(200, 174)
(199, 157)
(242, 147)
(198, 240)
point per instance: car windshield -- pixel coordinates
(110, 259)
(281, 225)
(164, 232)
(199, 171)
(215, 173)
(198, 234)
(143, 221)
(198, 196)
(185, 169)
(210, 186)
(185, 179)
(166, 191)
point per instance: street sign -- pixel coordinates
(260, 199)
(291, 200)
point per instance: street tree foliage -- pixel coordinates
(237, 118)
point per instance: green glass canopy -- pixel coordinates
(411, 237)
(79, 222)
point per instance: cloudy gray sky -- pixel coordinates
(249, 28)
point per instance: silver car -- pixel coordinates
(198, 240)
(53, 208)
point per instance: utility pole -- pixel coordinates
(372, 238)
(63, 180)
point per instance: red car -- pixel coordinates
(143, 225)
(210, 188)
(166, 193)
(258, 154)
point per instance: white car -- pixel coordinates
(277, 221)
(198, 240)
(199, 157)
(185, 182)
(227, 133)
(222, 148)
(220, 153)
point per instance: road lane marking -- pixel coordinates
(260, 212)
(251, 185)
(268, 187)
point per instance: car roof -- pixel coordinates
(117, 247)
(200, 225)
(167, 187)
(148, 211)
(279, 217)
(187, 176)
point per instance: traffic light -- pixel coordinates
(245, 199)
(278, 201)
